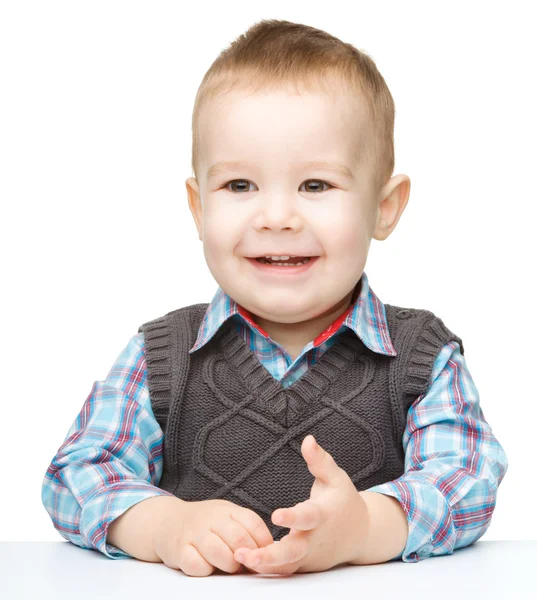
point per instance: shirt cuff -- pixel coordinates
(107, 506)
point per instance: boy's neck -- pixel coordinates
(294, 336)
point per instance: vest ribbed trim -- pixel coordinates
(421, 345)
(425, 353)
(315, 380)
(160, 343)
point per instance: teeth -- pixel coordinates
(283, 264)
(283, 257)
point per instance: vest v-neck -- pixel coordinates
(318, 377)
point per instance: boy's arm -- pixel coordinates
(104, 467)
(453, 467)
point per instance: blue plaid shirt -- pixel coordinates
(111, 458)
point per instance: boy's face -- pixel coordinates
(279, 206)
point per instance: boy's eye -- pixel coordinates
(246, 181)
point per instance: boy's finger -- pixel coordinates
(304, 515)
(255, 526)
(290, 549)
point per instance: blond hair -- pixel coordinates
(274, 54)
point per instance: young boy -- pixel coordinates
(204, 431)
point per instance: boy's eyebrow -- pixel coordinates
(339, 168)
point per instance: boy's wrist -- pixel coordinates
(387, 530)
(169, 513)
(134, 531)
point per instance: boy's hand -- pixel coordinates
(197, 537)
(326, 530)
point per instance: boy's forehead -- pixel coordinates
(312, 127)
(336, 108)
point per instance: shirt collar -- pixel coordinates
(366, 317)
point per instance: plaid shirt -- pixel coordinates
(111, 458)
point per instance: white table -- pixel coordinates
(58, 570)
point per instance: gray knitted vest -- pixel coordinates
(232, 431)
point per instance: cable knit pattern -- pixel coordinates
(232, 430)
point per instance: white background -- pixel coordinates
(95, 108)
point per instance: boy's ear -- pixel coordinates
(194, 202)
(394, 198)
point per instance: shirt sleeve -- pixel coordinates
(111, 458)
(453, 464)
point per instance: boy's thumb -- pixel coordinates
(319, 461)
